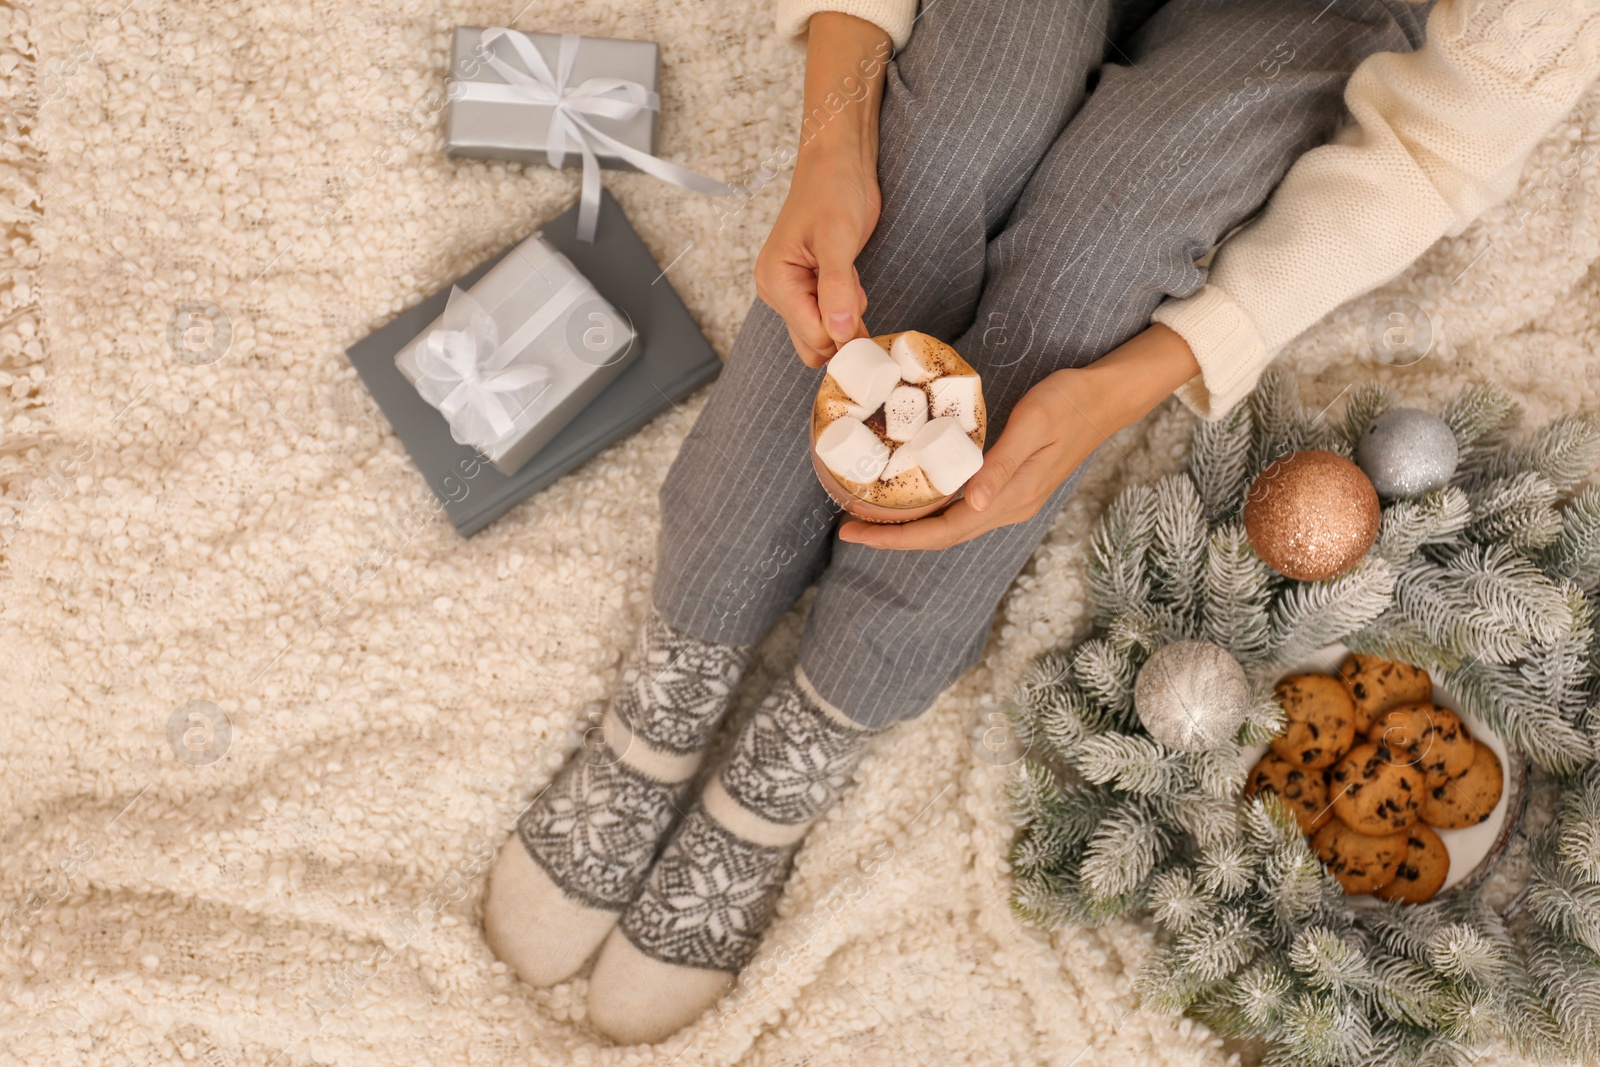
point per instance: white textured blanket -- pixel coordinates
(248, 533)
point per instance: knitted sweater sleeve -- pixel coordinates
(1439, 136)
(893, 17)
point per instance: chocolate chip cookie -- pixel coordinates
(1376, 685)
(1360, 862)
(1375, 792)
(1433, 739)
(1467, 800)
(1321, 720)
(1303, 790)
(1422, 871)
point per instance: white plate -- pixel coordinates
(1470, 847)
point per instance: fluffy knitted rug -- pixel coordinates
(248, 534)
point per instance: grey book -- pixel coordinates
(676, 361)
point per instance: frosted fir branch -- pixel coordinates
(1395, 636)
(1042, 850)
(1236, 595)
(1461, 952)
(1574, 555)
(1291, 883)
(1508, 590)
(1329, 963)
(1579, 827)
(1434, 603)
(1408, 991)
(1435, 519)
(1047, 672)
(1280, 422)
(1177, 550)
(1219, 462)
(1310, 615)
(1211, 951)
(1475, 1013)
(1106, 677)
(1263, 720)
(1144, 629)
(1124, 850)
(1038, 898)
(1566, 903)
(1062, 718)
(1328, 437)
(1226, 870)
(1209, 821)
(1367, 401)
(1117, 575)
(1498, 694)
(1133, 763)
(1480, 417)
(1326, 1030)
(1405, 931)
(1559, 673)
(1037, 799)
(1042, 806)
(1261, 994)
(1564, 453)
(1220, 771)
(1175, 901)
(1164, 986)
(1566, 980)
(1488, 603)
(1517, 511)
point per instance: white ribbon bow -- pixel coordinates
(462, 371)
(609, 98)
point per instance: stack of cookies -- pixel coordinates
(1370, 767)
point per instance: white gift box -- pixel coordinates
(516, 357)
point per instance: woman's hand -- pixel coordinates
(1051, 431)
(806, 271)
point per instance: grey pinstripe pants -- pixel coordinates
(1043, 190)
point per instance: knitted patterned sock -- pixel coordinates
(709, 898)
(588, 840)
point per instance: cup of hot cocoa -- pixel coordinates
(898, 426)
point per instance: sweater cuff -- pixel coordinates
(1225, 342)
(894, 17)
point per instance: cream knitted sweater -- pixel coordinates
(1439, 136)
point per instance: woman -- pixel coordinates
(1031, 181)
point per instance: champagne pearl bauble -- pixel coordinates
(1191, 695)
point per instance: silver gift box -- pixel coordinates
(581, 342)
(519, 132)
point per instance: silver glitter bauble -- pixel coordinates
(1407, 452)
(1191, 695)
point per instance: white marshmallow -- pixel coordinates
(946, 454)
(955, 396)
(865, 372)
(905, 411)
(913, 354)
(900, 461)
(838, 407)
(851, 451)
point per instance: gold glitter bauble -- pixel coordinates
(1311, 515)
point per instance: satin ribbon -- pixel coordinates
(463, 368)
(571, 110)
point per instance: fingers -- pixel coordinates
(955, 524)
(840, 300)
(1026, 434)
(811, 357)
(790, 289)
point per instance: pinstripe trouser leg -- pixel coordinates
(970, 107)
(1192, 122)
